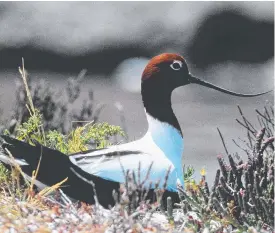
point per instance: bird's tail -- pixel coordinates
(54, 165)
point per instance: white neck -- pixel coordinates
(167, 138)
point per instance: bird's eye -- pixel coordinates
(176, 65)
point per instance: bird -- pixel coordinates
(159, 150)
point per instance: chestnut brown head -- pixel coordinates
(168, 71)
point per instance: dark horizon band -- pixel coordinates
(193, 79)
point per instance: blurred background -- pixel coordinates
(230, 44)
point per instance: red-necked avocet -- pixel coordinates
(163, 143)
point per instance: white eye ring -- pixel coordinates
(178, 65)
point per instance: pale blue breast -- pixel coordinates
(170, 141)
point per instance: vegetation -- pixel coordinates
(241, 198)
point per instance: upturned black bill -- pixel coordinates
(193, 79)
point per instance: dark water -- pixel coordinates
(200, 111)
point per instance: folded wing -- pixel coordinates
(112, 163)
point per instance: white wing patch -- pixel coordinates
(110, 168)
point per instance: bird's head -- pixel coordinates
(169, 71)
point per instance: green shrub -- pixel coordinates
(32, 125)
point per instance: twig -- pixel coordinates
(147, 174)
(259, 121)
(245, 150)
(272, 110)
(267, 114)
(35, 173)
(89, 182)
(245, 127)
(166, 177)
(222, 141)
(247, 144)
(263, 116)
